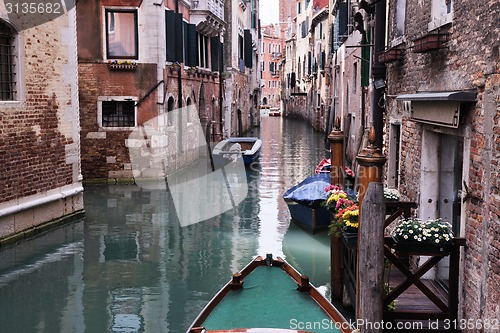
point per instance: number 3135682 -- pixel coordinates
(34, 8)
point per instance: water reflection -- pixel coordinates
(131, 267)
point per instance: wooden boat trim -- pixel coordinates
(303, 285)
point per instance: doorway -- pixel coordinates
(441, 186)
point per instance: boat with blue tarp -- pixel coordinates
(305, 203)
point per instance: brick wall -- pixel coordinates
(469, 61)
(39, 141)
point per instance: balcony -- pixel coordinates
(208, 15)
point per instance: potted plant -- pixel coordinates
(431, 236)
(345, 213)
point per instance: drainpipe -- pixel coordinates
(378, 72)
(179, 92)
(221, 82)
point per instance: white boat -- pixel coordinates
(248, 147)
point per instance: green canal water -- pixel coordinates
(128, 265)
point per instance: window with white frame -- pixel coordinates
(8, 82)
(117, 112)
(441, 13)
(121, 34)
(203, 51)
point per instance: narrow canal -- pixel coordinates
(129, 266)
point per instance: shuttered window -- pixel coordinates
(174, 36)
(248, 48)
(192, 51)
(214, 52)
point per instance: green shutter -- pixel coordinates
(174, 44)
(192, 45)
(214, 52)
(365, 62)
(248, 56)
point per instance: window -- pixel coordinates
(355, 77)
(271, 66)
(400, 17)
(117, 113)
(298, 8)
(121, 34)
(189, 110)
(170, 111)
(270, 48)
(441, 13)
(203, 51)
(240, 47)
(7, 63)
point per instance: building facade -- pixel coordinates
(148, 65)
(442, 132)
(271, 65)
(305, 83)
(242, 76)
(40, 176)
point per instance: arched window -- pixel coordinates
(7, 62)
(189, 109)
(170, 113)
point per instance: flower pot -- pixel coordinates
(430, 42)
(390, 55)
(350, 239)
(122, 67)
(421, 248)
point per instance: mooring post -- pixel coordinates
(336, 138)
(371, 162)
(371, 259)
(370, 231)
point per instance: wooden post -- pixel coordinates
(371, 162)
(371, 258)
(336, 138)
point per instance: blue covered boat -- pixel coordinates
(248, 147)
(305, 200)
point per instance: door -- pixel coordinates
(451, 152)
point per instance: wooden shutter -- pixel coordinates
(173, 26)
(214, 52)
(192, 45)
(342, 17)
(248, 57)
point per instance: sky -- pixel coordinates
(268, 11)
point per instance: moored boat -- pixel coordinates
(248, 147)
(304, 202)
(269, 295)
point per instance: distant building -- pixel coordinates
(241, 72)
(305, 88)
(40, 178)
(271, 65)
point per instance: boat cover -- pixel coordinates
(310, 192)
